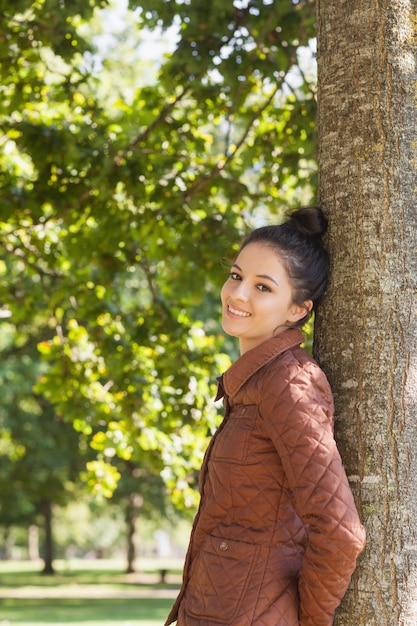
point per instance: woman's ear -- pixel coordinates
(298, 311)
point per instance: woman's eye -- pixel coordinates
(262, 287)
(234, 276)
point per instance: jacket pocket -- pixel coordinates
(232, 443)
(219, 578)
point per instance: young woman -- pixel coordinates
(277, 534)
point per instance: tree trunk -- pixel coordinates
(366, 331)
(48, 548)
(6, 553)
(134, 503)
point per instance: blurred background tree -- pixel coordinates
(140, 141)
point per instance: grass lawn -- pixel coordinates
(84, 612)
(92, 593)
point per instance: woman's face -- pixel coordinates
(257, 300)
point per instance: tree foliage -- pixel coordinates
(122, 193)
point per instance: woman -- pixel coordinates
(277, 534)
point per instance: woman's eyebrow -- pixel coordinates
(258, 275)
(268, 278)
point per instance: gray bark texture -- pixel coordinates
(366, 327)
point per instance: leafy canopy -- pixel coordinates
(123, 191)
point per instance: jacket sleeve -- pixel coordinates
(300, 420)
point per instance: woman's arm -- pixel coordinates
(301, 426)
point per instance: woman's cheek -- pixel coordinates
(223, 292)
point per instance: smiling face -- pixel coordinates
(257, 298)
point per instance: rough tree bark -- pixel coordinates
(366, 329)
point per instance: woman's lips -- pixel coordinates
(238, 312)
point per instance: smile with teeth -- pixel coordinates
(236, 312)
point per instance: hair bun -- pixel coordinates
(309, 221)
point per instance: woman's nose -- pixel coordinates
(240, 291)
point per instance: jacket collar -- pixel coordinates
(252, 360)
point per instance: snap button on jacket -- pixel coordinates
(277, 534)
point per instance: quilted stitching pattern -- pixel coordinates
(275, 492)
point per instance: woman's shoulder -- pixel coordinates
(295, 360)
(294, 369)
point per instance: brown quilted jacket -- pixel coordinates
(276, 537)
